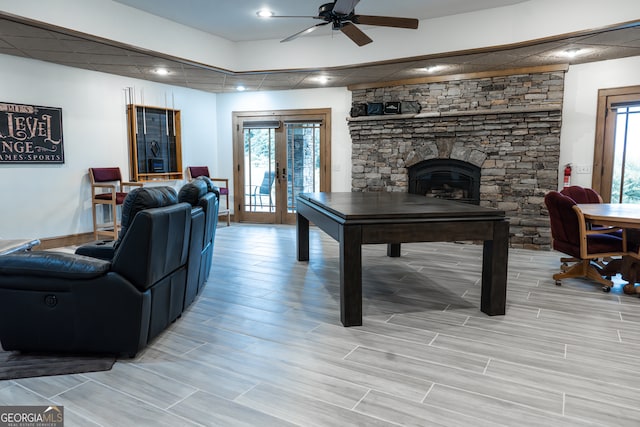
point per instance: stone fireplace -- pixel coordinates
(492, 141)
(446, 179)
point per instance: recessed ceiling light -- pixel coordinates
(432, 68)
(322, 79)
(240, 88)
(572, 53)
(161, 71)
(265, 13)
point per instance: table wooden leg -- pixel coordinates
(351, 275)
(494, 271)
(393, 250)
(302, 238)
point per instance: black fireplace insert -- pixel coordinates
(446, 179)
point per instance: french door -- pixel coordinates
(277, 155)
(617, 150)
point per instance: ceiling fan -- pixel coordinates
(341, 15)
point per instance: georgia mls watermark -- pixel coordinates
(31, 416)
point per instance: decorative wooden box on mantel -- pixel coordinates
(155, 146)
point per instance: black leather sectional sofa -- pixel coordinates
(113, 297)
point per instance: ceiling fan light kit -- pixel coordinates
(342, 17)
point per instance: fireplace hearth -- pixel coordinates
(446, 179)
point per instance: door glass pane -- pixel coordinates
(303, 160)
(626, 164)
(260, 167)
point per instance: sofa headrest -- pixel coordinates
(192, 191)
(145, 198)
(211, 187)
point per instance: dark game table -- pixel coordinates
(354, 219)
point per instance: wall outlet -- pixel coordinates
(583, 168)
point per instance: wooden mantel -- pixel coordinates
(482, 112)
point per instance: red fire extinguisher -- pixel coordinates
(567, 175)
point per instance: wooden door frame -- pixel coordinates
(282, 116)
(605, 134)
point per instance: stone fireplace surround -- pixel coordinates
(509, 126)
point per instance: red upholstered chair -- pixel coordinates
(582, 194)
(571, 235)
(222, 184)
(107, 188)
(196, 171)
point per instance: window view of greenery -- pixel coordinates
(626, 166)
(260, 168)
(302, 168)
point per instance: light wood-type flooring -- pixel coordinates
(263, 346)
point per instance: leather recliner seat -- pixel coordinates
(59, 302)
(192, 193)
(154, 198)
(210, 204)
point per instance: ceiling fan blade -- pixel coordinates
(386, 21)
(303, 32)
(345, 7)
(355, 34)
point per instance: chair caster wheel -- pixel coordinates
(558, 283)
(606, 289)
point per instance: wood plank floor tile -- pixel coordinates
(520, 342)
(14, 394)
(288, 374)
(263, 345)
(408, 413)
(302, 410)
(417, 350)
(500, 411)
(198, 408)
(157, 390)
(107, 406)
(201, 376)
(573, 379)
(366, 376)
(50, 386)
(507, 390)
(602, 409)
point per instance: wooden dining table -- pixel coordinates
(623, 215)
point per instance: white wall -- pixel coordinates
(338, 99)
(582, 83)
(54, 200)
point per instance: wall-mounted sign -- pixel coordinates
(30, 134)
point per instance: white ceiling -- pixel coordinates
(49, 42)
(237, 21)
